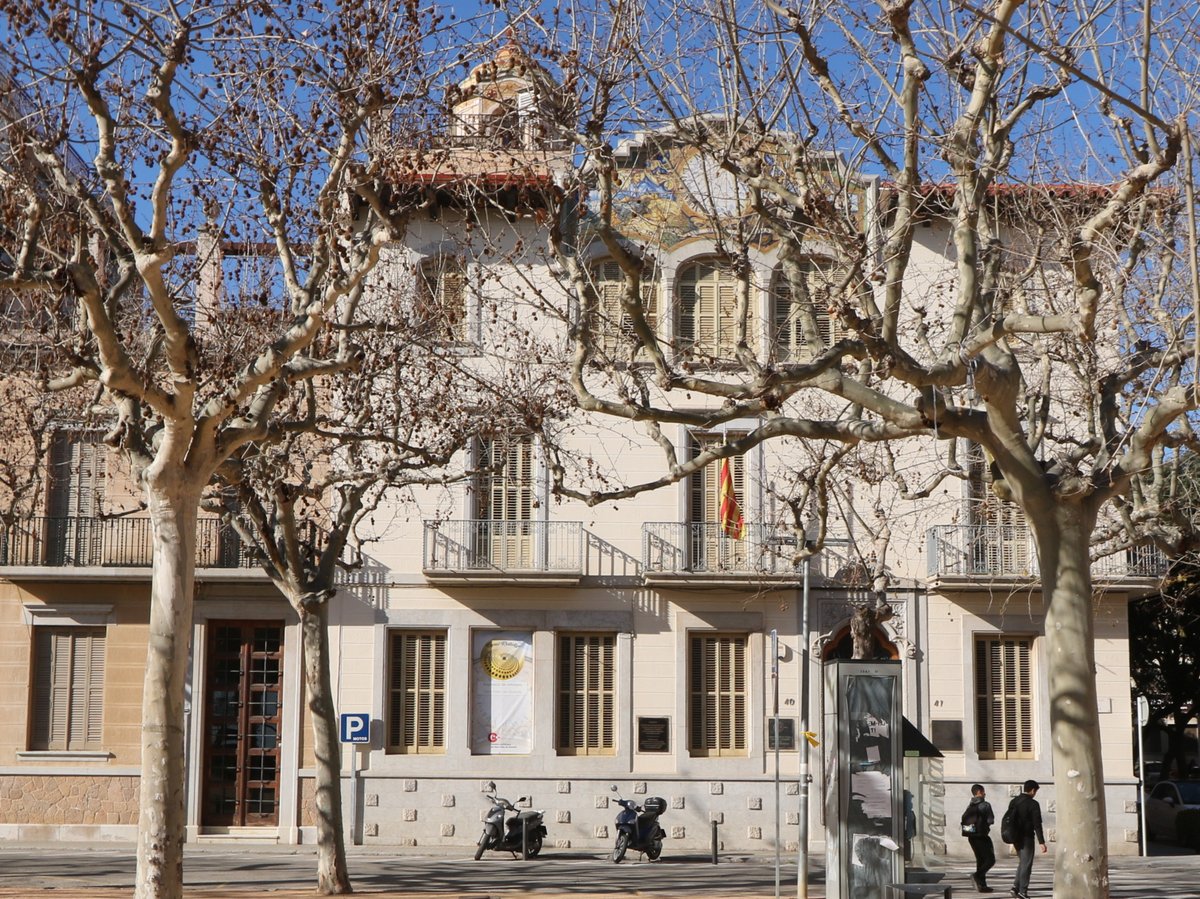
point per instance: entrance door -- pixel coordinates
(242, 705)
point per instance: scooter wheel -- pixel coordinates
(535, 845)
(480, 847)
(654, 850)
(618, 852)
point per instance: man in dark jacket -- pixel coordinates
(977, 820)
(1027, 815)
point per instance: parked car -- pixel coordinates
(1165, 802)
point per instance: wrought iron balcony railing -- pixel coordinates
(85, 542)
(1008, 551)
(480, 547)
(701, 547)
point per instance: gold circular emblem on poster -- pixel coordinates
(500, 661)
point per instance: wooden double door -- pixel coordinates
(243, 706)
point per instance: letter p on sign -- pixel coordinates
(356, 728)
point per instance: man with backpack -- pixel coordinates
(1022, 823)
(977, 820)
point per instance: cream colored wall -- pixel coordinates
(124, 660)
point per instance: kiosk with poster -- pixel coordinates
(864, 805)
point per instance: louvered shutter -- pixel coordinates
(417, 704)
(613, 326)
(68, 692)
(1004, 697)
(718, 695)
(791, 341)
(442, 298)
(586, 695)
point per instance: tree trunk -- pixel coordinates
(173, 509)
(1081, 860)
(332, 875)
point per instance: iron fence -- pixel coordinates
(477, 545)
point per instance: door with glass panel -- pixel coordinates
(243, 703)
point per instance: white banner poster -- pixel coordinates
(502, 673)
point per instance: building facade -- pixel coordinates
(498, 635)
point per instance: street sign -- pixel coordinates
(355, 728)
(1143, 707)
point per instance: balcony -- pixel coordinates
(488, 552)
(700, 552)
(72, 543)
(990, 552)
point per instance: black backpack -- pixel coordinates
(1010, 830)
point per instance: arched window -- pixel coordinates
(708, 310)
(441, 309)
(611, 326)
(790, 313)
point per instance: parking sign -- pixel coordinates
(356, 728)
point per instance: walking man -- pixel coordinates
(977, 820)
(1027, 820)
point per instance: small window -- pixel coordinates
(717, 695)
(611, 326)
(68, 688)
(417, 693)
(1004, 697)
(442, 299)
(586, 694)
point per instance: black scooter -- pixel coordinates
(637, 827)
(523, 833)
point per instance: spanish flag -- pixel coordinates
(732, 523)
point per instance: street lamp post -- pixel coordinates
(802, 850)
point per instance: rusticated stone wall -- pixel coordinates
(58, 799)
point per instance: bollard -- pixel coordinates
(524, 838)
(714, 842)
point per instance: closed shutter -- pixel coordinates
(1004, 697)
(791, 341)
(613, 327)
(79, 463)
(717, 706)
(68, 692)
(417, 701)
(442, 299)
(586, 694)
(708, 310)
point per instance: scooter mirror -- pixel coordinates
(491, 786)
(613, 788)
(523, 799)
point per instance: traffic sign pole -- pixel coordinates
(354, 729)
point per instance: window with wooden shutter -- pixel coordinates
(790, 324)
(717, 696)
(68, 689)
(586, 694)
(505, 503)
(708, 310)
(1004, 697)
(442, 299)
(612, 327)
(417, 692)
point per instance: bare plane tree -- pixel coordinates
(1058, 338)
(251, 118)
